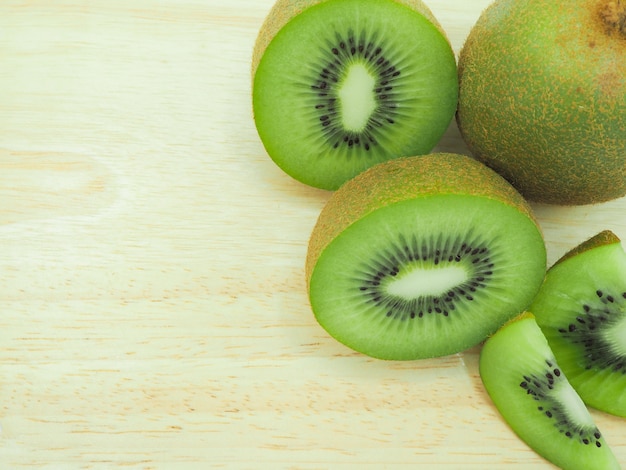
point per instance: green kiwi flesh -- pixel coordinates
(346, 84)
(422, 257)
(542, 97)
(581, 308)
(532, 393)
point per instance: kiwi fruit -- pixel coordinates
(532, 393)
(340, 85)
(422, 256)
(542, 97)
(581, 309)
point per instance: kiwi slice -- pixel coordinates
(422, 256)
(581, 309)
(341, 85)
(532, 392)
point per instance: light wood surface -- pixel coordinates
(153, 309)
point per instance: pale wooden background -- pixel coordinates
(152, 303)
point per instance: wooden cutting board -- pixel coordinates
(153, 309)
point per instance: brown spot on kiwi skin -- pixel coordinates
(613, 14)
(609, 83)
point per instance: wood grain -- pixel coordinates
(151, 265)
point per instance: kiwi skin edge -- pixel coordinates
(402, 179)
(606, 237)
(284, 10)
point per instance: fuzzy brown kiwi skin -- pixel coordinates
(563, 141)
(284, 10)
(404, 179)
(606, 237)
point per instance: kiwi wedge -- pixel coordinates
(340, 85)
(532, 393)
(542, 97)
(422, 256)
(581, 309)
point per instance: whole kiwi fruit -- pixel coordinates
(542, 97)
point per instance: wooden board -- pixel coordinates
(153, 309)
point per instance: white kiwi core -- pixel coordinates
(357, 97)
(616, 337)
(576, 409)
(423, 281)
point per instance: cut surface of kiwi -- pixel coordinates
(581, 308)
(422, 256)
(532, 393)
(542, 97)
(341, 85)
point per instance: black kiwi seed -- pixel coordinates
(588, 332)
(540, 389)
(371, 279)
(334, 59)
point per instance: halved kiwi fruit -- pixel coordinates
(581, 308)
(341, 85)
(423, 256)
(530, 389)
